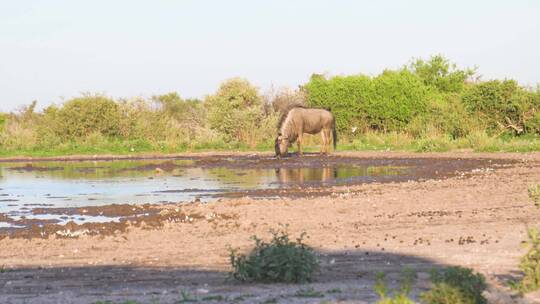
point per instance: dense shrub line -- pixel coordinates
(427, 96)
(429, 105)
(235, 116)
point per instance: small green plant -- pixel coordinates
(186, 297)
(308, 293)
(111, 302)
(219, 298)
(468, 284)
(442, 293)
(270, 301)
(530, 265)
(334, 290)
(242, 297)
(534, 194)
(280, 260)
(401, 296)
(4, 269)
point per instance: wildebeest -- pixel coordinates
(300, 120)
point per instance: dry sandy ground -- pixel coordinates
(476, 221)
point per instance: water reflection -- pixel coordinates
(304, 175)
(334, 175)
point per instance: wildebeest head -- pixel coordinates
(282, 145)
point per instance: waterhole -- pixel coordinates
(48, 185)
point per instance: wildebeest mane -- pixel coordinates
(285, 113)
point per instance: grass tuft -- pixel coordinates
(308, 293)
(530, 265)
(400, 296)
(456, 282)
(534, 194)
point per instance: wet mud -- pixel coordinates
(31, 168)
(427, 167)
(145, 216)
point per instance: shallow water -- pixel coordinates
(27, 185)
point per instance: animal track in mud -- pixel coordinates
(387, 215)
(466, 240)
(434, 213)
(421, 241)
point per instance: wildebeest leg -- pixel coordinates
(299, 142)
(324, 143)
(330, 138)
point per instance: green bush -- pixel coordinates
(503, 105)
(121, 302)
(280, 260)
(446, 116)
(2, 121)
(532, 125)
(344, 96)
(442, 293)
(387, 102)
(236, 111)
(423, 93)
(399, 96)
(433, 144)
(441, 74)
(400, 296)
(469, 284)
(530, 265)
(82, 116)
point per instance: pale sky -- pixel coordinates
(55, 49)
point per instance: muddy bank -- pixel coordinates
(436, 166)
(30, 168)
(125, 217)
(171, 156)
(122, 210)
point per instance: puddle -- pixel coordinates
(30, 191)
(9, 225)
(63, 219)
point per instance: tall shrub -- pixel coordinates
(2, 121)
(503, 105)
(387, 102)
(441, 74)
(399, 96)
(344, 96)
(236, 111)
(85, 115)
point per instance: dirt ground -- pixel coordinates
(476, 219)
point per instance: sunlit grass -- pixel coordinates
(371, 141)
